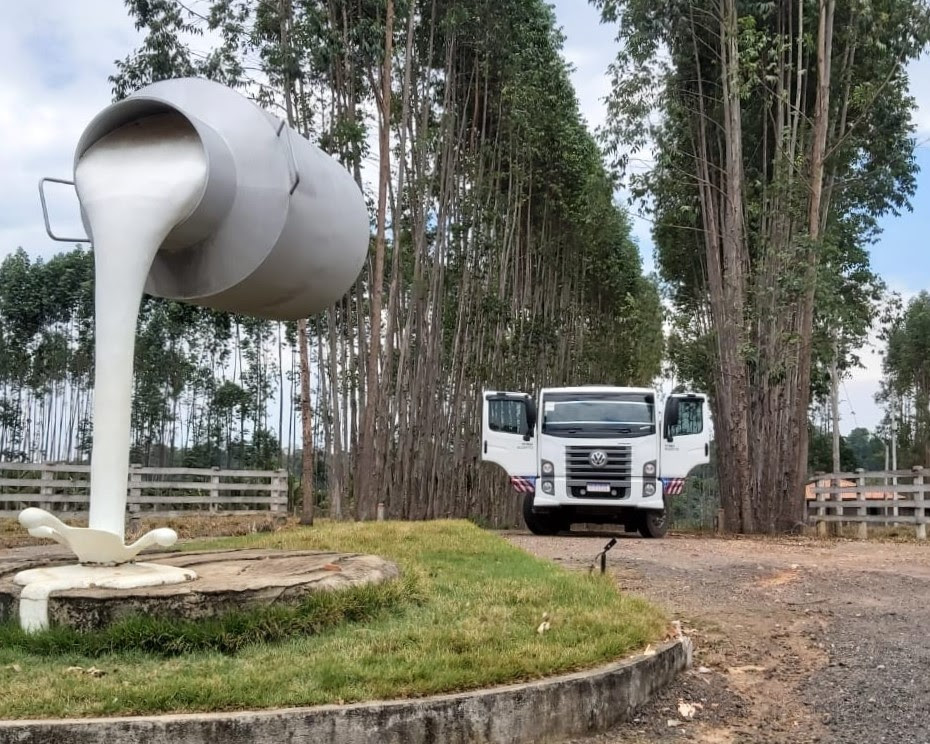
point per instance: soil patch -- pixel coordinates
(796, 639)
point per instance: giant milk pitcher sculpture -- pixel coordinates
(188, 191)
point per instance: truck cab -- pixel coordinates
(595, 454)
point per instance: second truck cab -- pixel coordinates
(595, 454)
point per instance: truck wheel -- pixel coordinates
(539, 524)
(653, 523)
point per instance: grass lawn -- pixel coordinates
(466, 616)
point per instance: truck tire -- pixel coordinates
(653, 524)
(539, 524)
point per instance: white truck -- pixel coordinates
(595, 454)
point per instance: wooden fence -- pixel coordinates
(870, 498)
(158, 492)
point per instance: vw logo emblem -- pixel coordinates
(598, 458)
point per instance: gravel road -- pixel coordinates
(797, 640)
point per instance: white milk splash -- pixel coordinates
(135, 185)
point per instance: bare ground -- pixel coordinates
(796, 640)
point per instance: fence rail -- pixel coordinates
(158, 492)
(864, 498)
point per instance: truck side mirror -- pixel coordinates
(530, 410)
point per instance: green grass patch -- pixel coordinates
(464, 616)
(229, 634)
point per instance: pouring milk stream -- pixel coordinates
(135, 184)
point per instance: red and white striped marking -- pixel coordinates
(523, 485)
(673, 486)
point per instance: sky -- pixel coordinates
(59, 53)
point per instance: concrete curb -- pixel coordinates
(548, 710)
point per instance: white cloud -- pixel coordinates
(590, 48)
(58, 55)
(919, 83)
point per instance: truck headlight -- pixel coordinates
(547, 487)
(547, 467)
(649, 469)
(649, 489)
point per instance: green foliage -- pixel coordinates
(820, 453)
(907, 371)
(182, 356)
(867, 450)
(584, 279)
(868, 174)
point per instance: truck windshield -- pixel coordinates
(599, 414)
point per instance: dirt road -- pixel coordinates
(796, 640)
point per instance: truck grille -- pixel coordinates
(616, 470)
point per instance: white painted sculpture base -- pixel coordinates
(39, 583)
(92, 545)
(105, 563)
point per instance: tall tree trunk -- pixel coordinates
(306, 416)
(306, 410)
(835, 411)
(820, 129)
(365, 492)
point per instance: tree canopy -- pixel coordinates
(780, 133)
(907, 372)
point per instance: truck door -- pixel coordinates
(685, 439)
(508, 425)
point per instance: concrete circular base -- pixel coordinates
(549, 710)
(38, 583)
(225, 581)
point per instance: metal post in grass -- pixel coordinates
(601, 558)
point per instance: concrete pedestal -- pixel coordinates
(188, 586)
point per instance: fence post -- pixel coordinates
(279, 491)
(214, 489)
(135, 493)
(47, 475)
(894, 498)
(821, 525)
(836, 528)
(921, 527)
(721, 521)
(862, 511)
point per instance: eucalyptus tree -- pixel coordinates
(907, 375)
(785, 132)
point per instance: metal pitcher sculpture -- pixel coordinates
(191, 192)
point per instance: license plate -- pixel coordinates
(598, 488)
